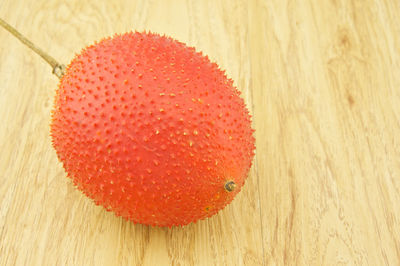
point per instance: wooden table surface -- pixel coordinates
(322, 80)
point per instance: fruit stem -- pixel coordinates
(58, 69)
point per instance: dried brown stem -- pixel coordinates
(58, 69)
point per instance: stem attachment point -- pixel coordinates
(59, 70)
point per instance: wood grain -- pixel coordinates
(322, 80)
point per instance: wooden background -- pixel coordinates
(322, 79)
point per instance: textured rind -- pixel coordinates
(151, 129)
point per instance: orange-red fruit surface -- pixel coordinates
(151, 129)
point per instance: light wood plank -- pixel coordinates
(326, 104)
(322, 79)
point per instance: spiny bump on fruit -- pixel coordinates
(152, 130)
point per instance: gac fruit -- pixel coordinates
(152, 130)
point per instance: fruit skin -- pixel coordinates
(151, 129)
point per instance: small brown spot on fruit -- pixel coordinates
(230, 186)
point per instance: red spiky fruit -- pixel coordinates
(152, 130)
